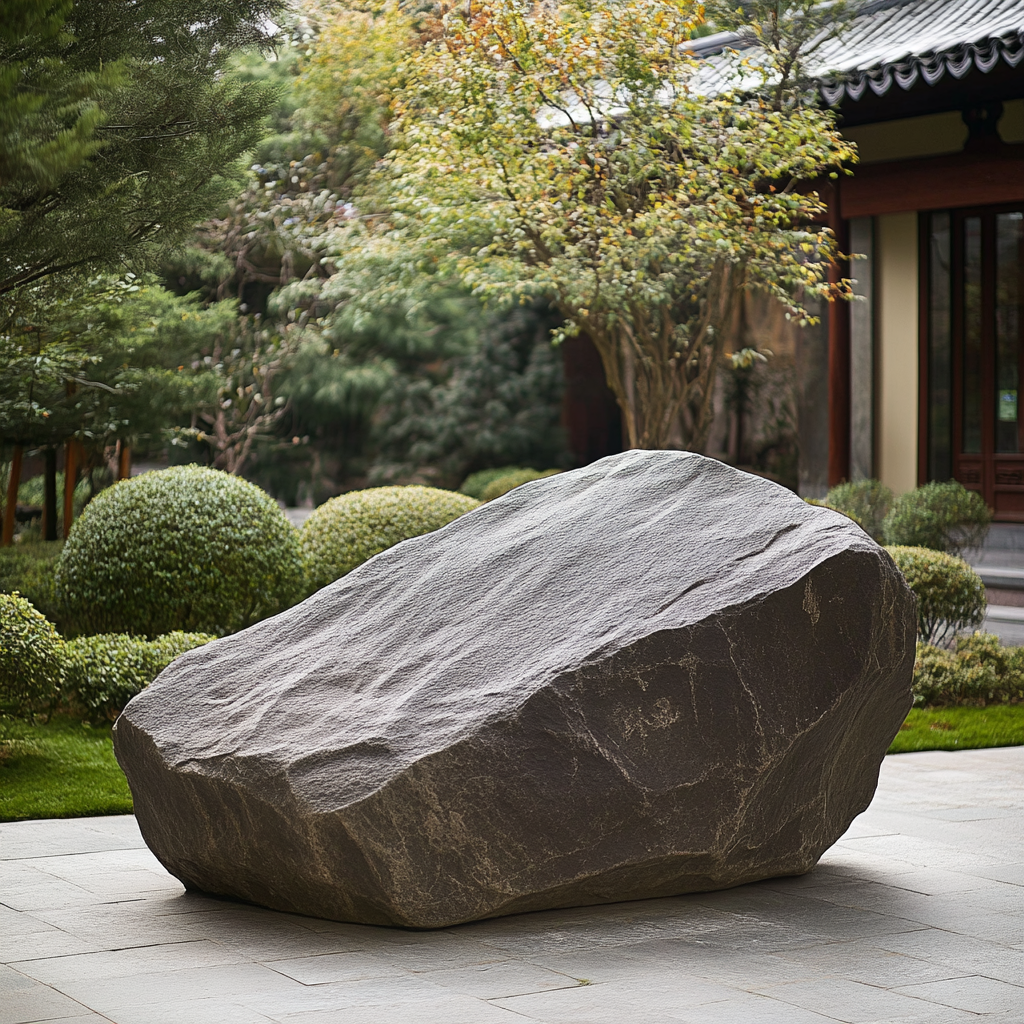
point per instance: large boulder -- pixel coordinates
(650, 676)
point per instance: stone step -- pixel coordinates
(1002, 577)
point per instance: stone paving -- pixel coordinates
(916, 915)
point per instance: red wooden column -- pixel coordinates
(12, 497)
(838, 356)
(124, 460)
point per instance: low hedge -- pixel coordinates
(950, 594)
(978, 672)
(503, 484)
(29, 568)
(186, 548)
(476, 483)
(104, 672)
(350, 529)
(31, 659)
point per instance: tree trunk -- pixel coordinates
(124, 461)
(12, 498)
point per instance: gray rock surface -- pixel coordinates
(649, 676)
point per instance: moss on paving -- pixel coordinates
(62, 769)
(961, 729)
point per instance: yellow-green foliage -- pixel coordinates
(504, 484)
(842, 511)
(978, 672)
(104, 672)
(186, 548)
(476, 483)
(346, 531)
(950, 594)
(31, 658)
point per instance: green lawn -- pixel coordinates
(67, 770)
(961, 729)
(59, 770)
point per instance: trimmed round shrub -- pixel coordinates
(346, 531)
(941, 516)
(187, 548)
(979, 672)
(865, 501)
(31, 659)
(104, 672)
(475, 484)
(509, 482)
(950, 594)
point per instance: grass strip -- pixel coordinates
(1000, 725)
(62, 769)
(65, 769)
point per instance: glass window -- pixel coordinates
(940, 362)
(1009, 237)
(972, 335)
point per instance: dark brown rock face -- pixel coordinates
(650, 676)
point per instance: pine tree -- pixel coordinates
(119, 129)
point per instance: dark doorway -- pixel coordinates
(590, 413)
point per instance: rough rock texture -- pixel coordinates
(653, 675)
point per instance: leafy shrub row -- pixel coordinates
(94, 675)
(104, 672)
(979, 671)
(941, 516)
(476, 483)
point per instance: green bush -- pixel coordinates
(32, 492)
(950, 594)
(31, 659)
(29, 569)
(187, 548)
(504, 484)
(979, 672)
(866, 501)
(941, 516)
(346, 531)
(476, 483)
(841, 511)
(104, 672)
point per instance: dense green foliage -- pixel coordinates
(942, 516)
(346, 531)
(104, 672)
(960, 729)
(504, 484)
(979, 671)
(29, 568)
(31, 659)
(186, 548)
(476, 483)
(120, 128)
(62, 769)
(866, 501)
(950, 594)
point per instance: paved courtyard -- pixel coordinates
(917, 914)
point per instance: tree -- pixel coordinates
(572, 152)
(120, 129)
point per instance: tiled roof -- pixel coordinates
(903, 40)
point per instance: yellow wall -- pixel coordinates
(909, 137)
(896, 254)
